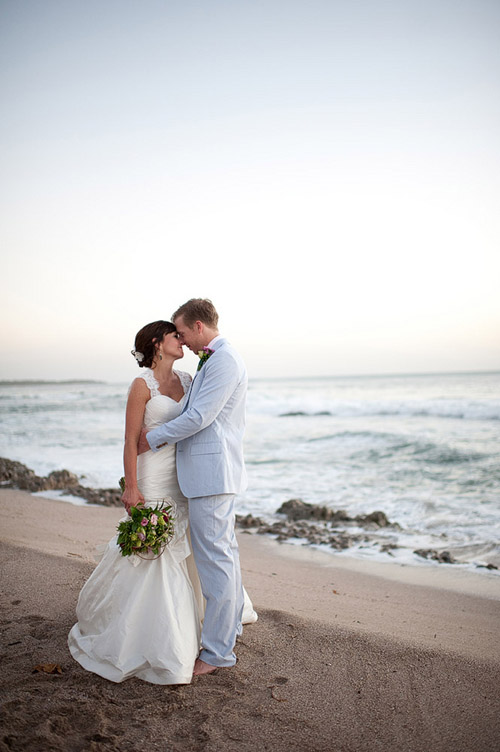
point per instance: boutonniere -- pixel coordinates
(204, 356)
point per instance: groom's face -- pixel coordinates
(188, 336)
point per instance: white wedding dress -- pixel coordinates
(139, 617)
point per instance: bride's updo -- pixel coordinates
(146, 340)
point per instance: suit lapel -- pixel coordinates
(190, 390)
(188, 394)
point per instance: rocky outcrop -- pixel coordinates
(108, 497)
(443, 557)
(16, 475)
(318, 524)
(296, 509)
(310, 531)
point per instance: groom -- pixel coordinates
(211, 471)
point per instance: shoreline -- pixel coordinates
(372, 537)
(339, 658)
(457, 577)
(436, 607)
(453, 577)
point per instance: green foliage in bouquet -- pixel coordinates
(148, 530)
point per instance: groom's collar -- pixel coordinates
(214, 341)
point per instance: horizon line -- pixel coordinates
(27, 382)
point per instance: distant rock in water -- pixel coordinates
(296, 509)
(301, 412)
(443, 557)
(16, 475)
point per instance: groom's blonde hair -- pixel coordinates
(198, 309)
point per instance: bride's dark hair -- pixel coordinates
(147, 338)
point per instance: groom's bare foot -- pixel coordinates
(200, 668)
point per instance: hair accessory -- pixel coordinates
(137, 355)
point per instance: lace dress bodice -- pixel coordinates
(160, 408)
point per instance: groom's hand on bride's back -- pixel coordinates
(142, 444)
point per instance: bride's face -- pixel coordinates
(171, 345)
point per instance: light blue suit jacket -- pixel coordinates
(209, 431)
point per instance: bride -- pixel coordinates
(142, 617)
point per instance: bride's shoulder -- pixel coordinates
(145, 383)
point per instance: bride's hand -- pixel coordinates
(132, 497)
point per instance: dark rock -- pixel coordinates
(487, 566)
(301, 413)
(315, 539)
(443, 557)
(296, 509)
(310, 522)
(446, 558)
(107, 497)
(248, 521)
(388, 548)
(61, 479)
(377, 518)
(16, 475)
(425, 553)
(340, 515)
(341, 542)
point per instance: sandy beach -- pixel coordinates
(345, 655)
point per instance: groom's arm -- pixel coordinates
(220, 379)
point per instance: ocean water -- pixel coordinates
(424, 449)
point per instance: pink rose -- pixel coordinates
(141, 536)
(154, 519)
(144, 521)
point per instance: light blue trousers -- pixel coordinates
(217, 558)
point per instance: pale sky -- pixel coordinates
(328, 173)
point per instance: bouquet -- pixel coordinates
(148, 530)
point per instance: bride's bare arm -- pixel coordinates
(136, 405)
